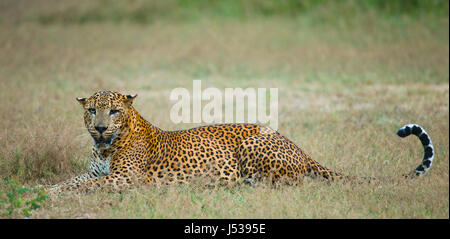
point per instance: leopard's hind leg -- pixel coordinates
(271, 156)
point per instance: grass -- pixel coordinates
(345, 87)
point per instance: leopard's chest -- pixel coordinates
(100, 167)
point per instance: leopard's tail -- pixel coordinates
(403, 132)
(428, 156)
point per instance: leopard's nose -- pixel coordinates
(100, 129)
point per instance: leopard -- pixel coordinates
(128, 150)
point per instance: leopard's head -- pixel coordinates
(106, 115)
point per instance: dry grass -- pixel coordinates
(311, 200)
(343, 93)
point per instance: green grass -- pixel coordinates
(347, 80)
(151, 11)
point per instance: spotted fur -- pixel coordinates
(128, 150)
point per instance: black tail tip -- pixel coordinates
(403, 132)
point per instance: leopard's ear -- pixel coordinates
(129, 99)
(82, 101)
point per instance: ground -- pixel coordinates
(344, 91)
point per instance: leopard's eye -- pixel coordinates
(111, 112)
(92, 111)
